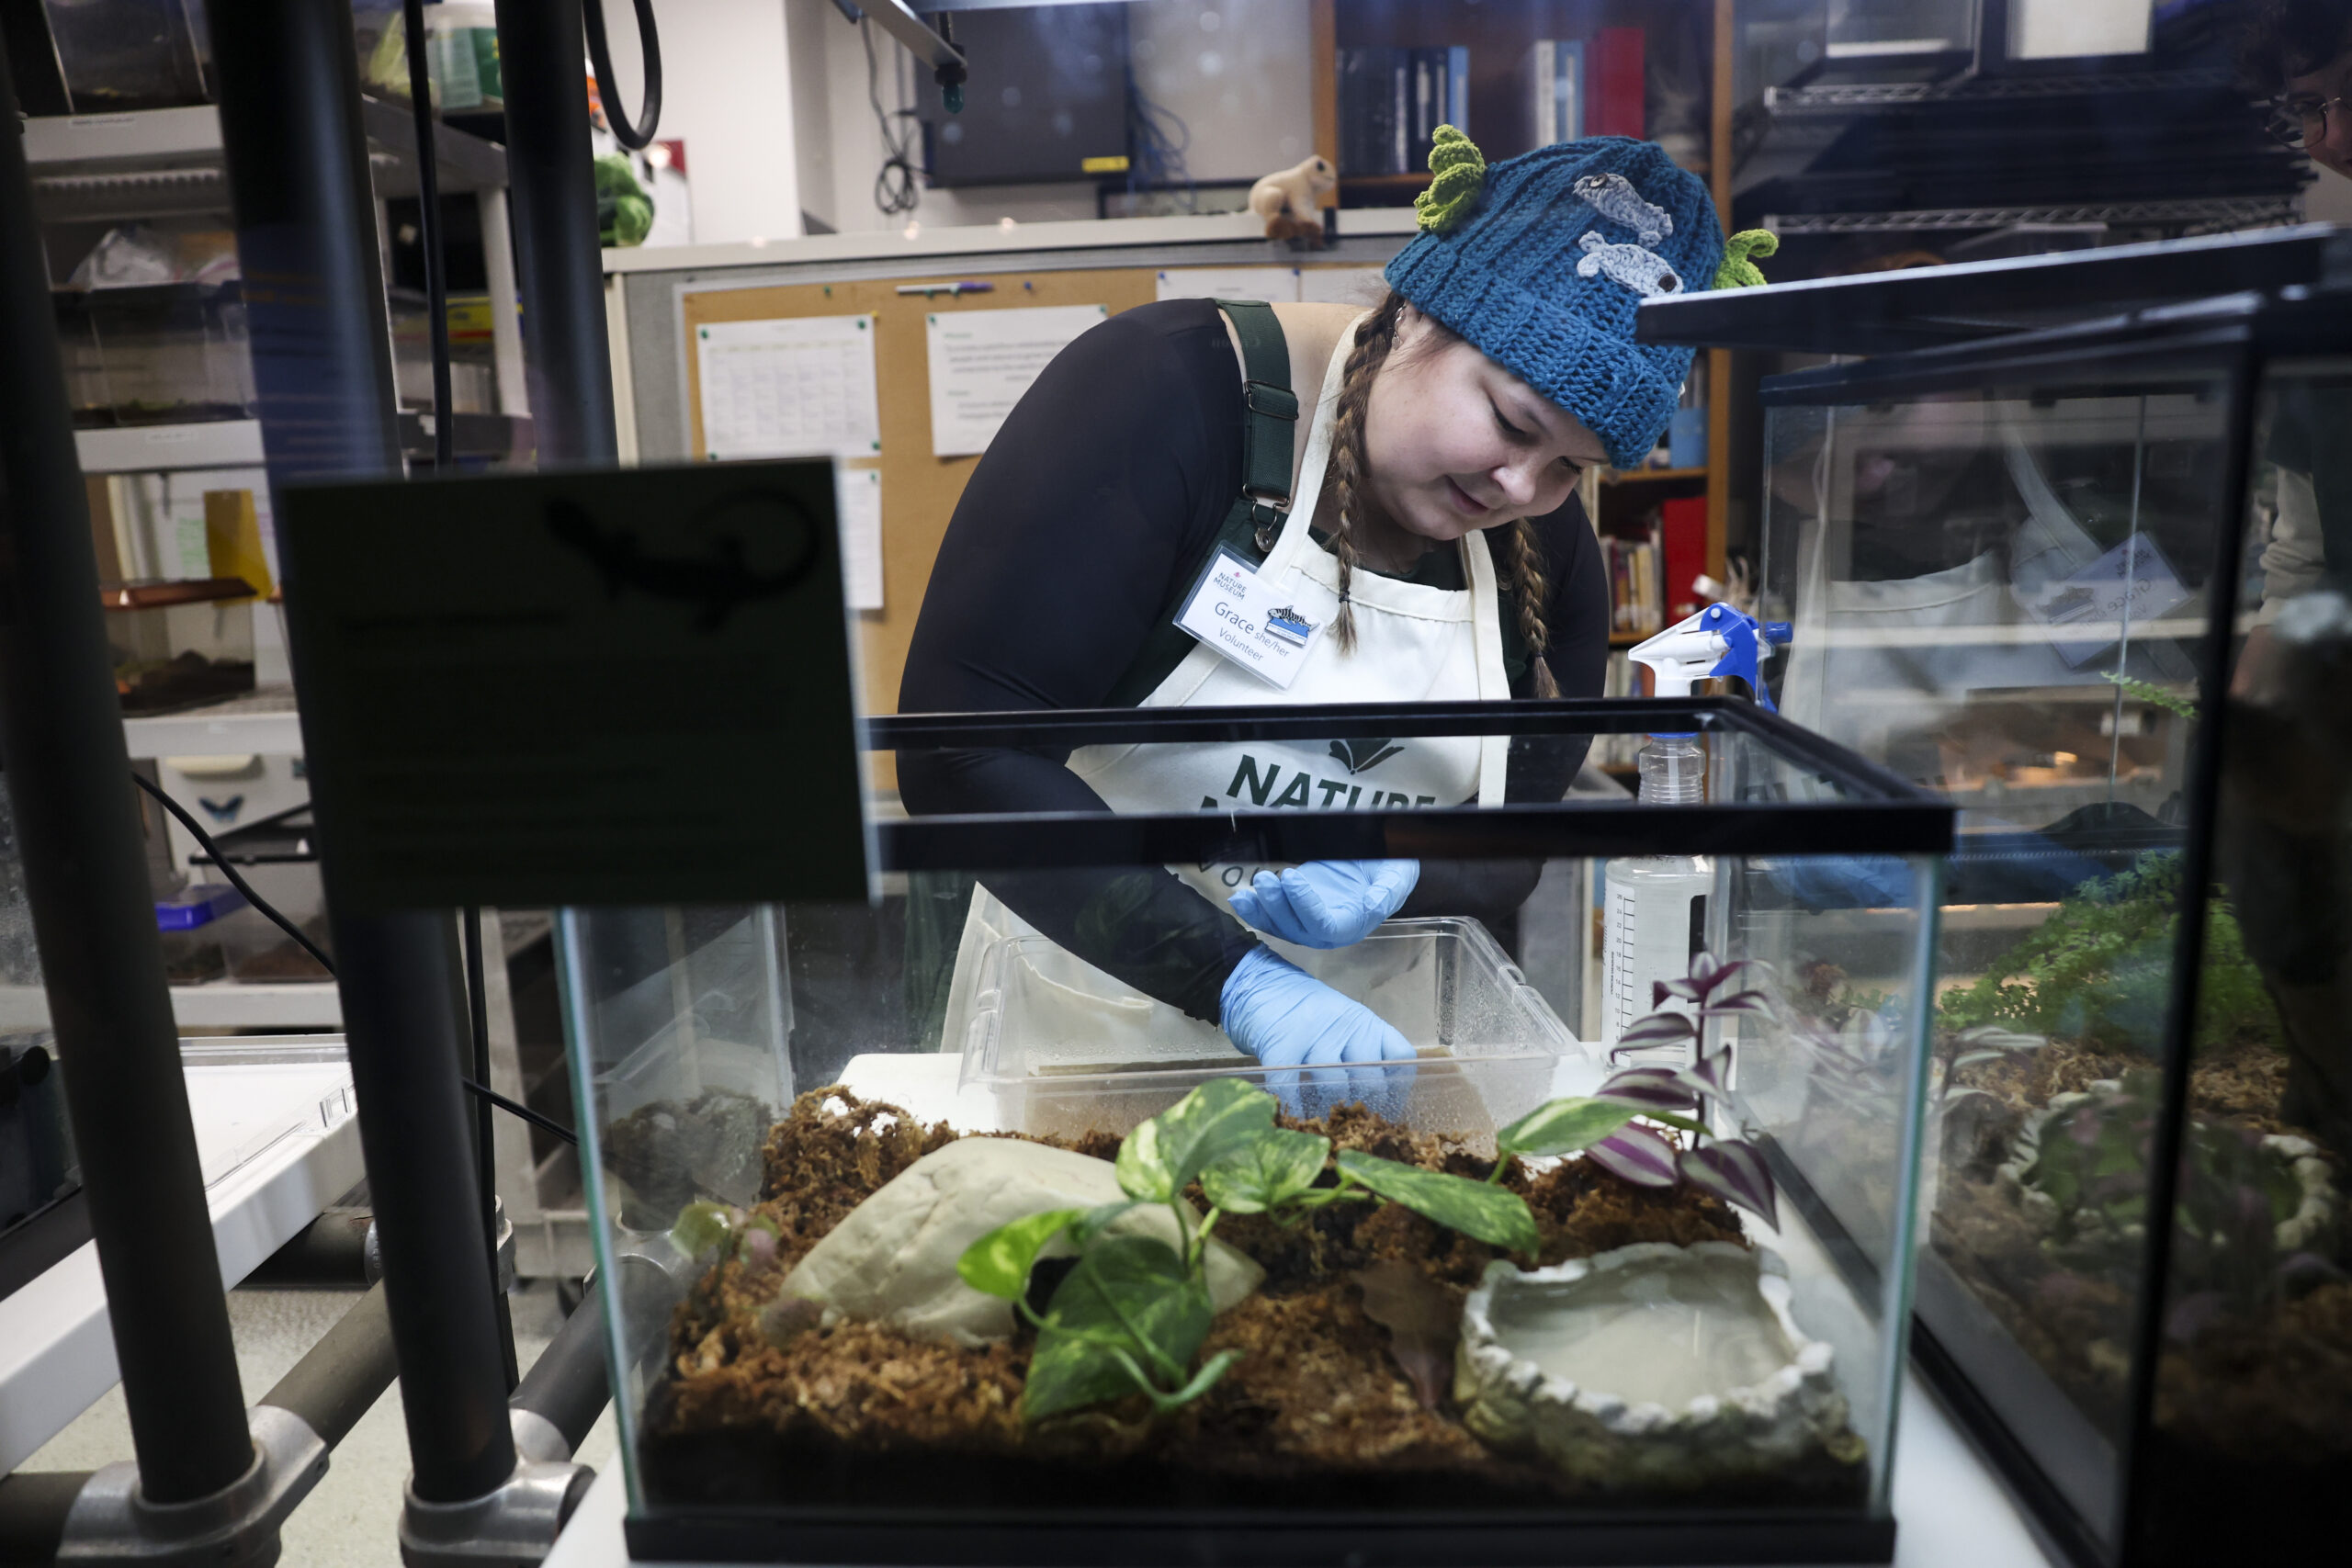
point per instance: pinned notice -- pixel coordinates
(859, 503)
(982, 361)
(795, 387)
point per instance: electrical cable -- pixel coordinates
(1159, 139)
(428, 207)
(895, 191)
(220, 860)
(638, 136)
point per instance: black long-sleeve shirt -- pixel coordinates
(1101, 497)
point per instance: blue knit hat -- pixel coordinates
(1545, 267)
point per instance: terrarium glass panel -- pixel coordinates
(2253, 1396)
(2002, 587)
(919, 1190)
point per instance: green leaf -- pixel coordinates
(1487, 1214)
(1128, 1293)
(702, 1226)
(999, 1263)
(1563, 1127)
(1159, 1158)
(1273, 1166)
(1096, 1221)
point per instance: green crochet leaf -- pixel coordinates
(1460, 169)
(1738, 271)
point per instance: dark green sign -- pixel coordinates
(625, 687)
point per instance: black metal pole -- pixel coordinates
(85, 877)
(551, 173)
(297, 161)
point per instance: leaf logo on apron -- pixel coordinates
(1362, 756)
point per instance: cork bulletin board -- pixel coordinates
(919, 491)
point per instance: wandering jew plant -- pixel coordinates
(1606, 1128)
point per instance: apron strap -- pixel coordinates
(1270, 415)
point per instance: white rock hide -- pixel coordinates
(893, 1259)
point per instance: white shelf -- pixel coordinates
(277, 1125)
(230, 1004)
(55, 144)
(74, 157)
(263, 722)
(157, 448)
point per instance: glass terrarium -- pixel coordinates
(156, 354)
(958, 1228)
(180, 644)
(2080, 583)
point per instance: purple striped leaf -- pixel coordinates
(1650, 1088)
(1658, 1029)
(1637, 1155)
(1664, 991)
(1753, 1004)
(1710, 1076)
(1741, 974)
(1735, 1172)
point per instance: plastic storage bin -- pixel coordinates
(128, 54)
(790, 1170)
(2082, 582)
(1488, 1045)
(191, 923)
(156, 354)
(180, 644)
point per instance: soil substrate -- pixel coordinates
(760, 1404)
(2271, 1391)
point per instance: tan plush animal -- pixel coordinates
(1286, 200)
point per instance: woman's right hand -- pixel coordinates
(1287, 1018)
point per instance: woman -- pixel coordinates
(1431, 546)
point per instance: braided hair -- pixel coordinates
(1351, 467)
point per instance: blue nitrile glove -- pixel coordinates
(1326, 903)
(1287, 1018)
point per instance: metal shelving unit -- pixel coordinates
(169, 163)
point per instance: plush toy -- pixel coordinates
(1286, 200)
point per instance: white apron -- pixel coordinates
(1414, 644)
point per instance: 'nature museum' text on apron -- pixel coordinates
(1414, 644)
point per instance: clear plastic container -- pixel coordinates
(180, 644)
(191, 923)
(119, 55)
(257, 949)
(1489, 1045)
(157, 353)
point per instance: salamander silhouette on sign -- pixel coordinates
(721, 578)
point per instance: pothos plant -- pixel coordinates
(1607, 1128)
(1131, 1314)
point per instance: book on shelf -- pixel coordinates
(1555, 91)
(1682, 526)
(1393, 100)
(1635, 599)
(1617, 85)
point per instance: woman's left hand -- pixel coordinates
(1326, 903)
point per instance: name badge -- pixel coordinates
(1238, 613)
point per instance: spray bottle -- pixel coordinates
(1655, 905)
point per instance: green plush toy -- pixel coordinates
(1460, 169)
(1739, 271)
(624, 213)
